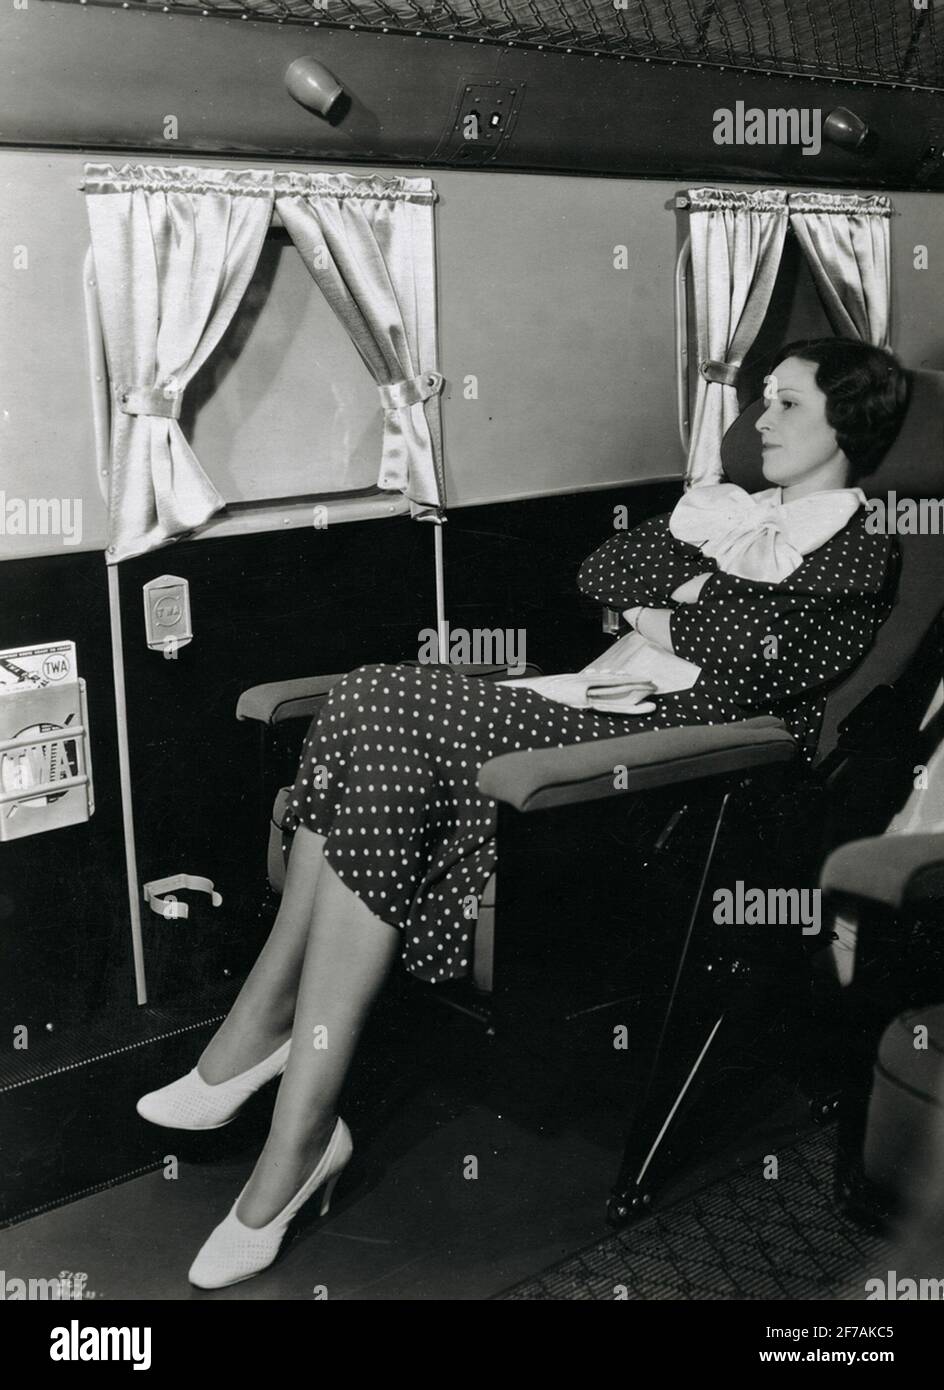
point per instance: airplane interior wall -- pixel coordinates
(559, 365)
(571, 358)
(573, 361)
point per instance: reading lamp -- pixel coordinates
(312, 85)
(843, 127)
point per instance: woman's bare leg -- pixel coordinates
(348, 956)
(261, 1017)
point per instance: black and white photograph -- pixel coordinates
(471, 658)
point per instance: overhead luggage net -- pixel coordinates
(894, 41)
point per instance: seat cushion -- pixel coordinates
(904, 1139)
(895, 870)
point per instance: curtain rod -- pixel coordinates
(682, 200)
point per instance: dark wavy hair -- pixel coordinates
(867, 392)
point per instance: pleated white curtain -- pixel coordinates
(174, 252)
(175, 249)
(368, 244)
(846, 241)
(737, 243)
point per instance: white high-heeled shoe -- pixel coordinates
(235, 1252)
(192, 1103)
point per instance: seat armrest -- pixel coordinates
(280, 700)
(895, 870)
(301, 698)
(537, 779)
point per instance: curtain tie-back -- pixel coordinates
(407, 444)
(412, 391)
(725, 373)
(163, 400)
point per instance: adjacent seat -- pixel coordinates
(890, 1159)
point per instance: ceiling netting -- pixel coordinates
(875, 40)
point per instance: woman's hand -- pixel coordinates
(652, 623)
(655, 624)
(690, 591)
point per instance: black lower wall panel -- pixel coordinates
(285, 605)
(74, 1128)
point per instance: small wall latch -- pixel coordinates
(169, 907)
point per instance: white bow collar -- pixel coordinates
(757, 535)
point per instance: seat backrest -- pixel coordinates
(913, 468)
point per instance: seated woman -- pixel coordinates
(770, 598)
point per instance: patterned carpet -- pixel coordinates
(743, 1237)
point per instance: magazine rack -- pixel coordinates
(45, 765)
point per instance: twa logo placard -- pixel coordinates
(36, 667)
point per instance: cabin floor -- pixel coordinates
(431, 1094)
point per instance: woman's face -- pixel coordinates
(799, 445)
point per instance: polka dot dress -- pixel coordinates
(762, 648)
(389, 767)
(388, 776)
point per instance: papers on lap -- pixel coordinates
(591, 692)
(620, 681)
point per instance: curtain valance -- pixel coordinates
(846, 204)
(263, 183)
(735, 200)
(175, 249)
(180, 178)
(773, 199)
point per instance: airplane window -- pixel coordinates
(795, 311)
(284, 407)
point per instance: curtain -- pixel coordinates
(845, 238)
(174, 252)
(737, 242)
(368, 244)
